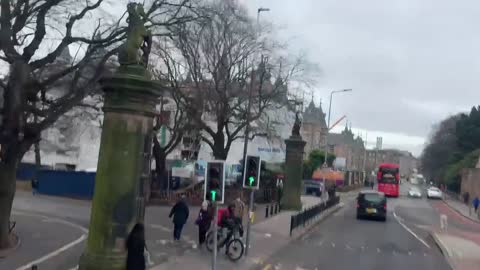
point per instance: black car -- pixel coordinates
(371, 204)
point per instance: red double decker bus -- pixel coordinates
(388, 178)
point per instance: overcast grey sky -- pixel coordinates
(410, 62)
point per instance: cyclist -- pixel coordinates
(230, 222)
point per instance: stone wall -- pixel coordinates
(471, 182)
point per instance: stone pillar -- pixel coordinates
(123, 166)
(292, 186)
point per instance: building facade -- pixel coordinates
(314, 128)
(348, 149)
(405, 159)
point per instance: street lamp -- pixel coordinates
(245, 141)
(326, 135)
(330, 105)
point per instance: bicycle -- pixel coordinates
(235, 245)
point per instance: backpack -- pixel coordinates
(220, 214)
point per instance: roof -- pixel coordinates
(314, 115)
(335, 139)
(389, 165)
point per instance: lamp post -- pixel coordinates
(245, 144)
(325, 165)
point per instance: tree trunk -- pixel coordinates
(160, 158)
(38, 159)
(7, 192)
(219, 152)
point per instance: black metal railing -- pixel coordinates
(304, 217)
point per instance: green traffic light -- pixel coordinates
(251, 179)
(213, 192)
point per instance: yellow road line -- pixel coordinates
(267, 267)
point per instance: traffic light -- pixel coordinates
(251, 175)
(215, 182)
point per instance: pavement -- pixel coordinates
(462, 209)
(53, 231)
(266, 237)
(460, 239)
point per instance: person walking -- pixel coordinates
(279, 190)
(180, 215)
(204, 220)
(34, 186)
(476, 203)
(135, 248)
(239, 209)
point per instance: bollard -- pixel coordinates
(276, 209)
(266, 211)
(34, 267)
(271, 210)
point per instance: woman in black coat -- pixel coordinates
(203, 222)
(180, 215)
(135, 248)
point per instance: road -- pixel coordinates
(53, 233)
(343, 242)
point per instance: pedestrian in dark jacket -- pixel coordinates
(135, 248)
(180, 215)
(203, 222)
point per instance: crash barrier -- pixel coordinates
(304, 217)
(272, 209)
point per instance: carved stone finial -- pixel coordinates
(138, 38)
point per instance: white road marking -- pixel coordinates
(424, 254)
(348, 247)
(409, 253)
(267, 235)
(51, 219)
(378, 250)
(53, 253)
(410, 231)
(333, 245)
(60, 250)
(320, 243)
(362, 247)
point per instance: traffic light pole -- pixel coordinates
(215, 232)
(249, 221)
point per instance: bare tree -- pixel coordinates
(219, 55)
(172, 116)
(33, 36)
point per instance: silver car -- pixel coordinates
(434, 193)
(414, 193)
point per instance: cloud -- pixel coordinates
(411, 63)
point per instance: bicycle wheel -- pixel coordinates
(209, 240)
(235, 249)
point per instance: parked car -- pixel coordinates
(371, 204)
(414, 193)
(434, 193)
